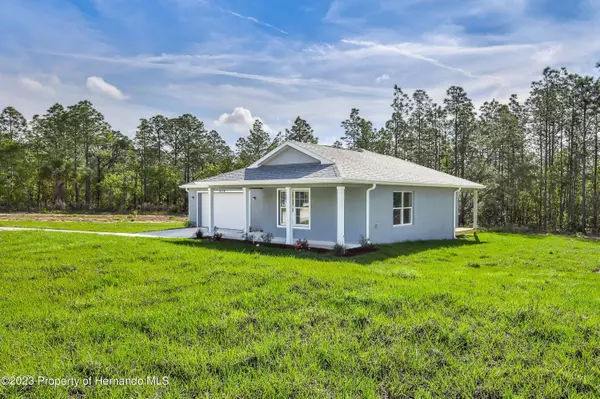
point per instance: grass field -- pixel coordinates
(514, 316)
(93, 222)
(120, 227)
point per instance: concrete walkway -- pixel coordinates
(175, 233)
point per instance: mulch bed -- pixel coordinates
(350, 252)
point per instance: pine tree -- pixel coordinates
(12, 131)
(301, 131)
(359, 132)
(398, 125)
(255, 146)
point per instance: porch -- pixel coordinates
(464, 230)
(461, 231)
(318, 213)
(328, 214)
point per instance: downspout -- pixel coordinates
(368, 212)
(455, 211)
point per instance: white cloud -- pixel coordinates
(252, 19)
(98, 84)
(404, 51)
(382, 78)
(320, 49)
(190, 69)
(240, 120)
(123, 116)
(32, 84)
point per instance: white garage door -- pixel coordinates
(228, 208)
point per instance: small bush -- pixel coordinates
(267, 238)
(133, 216)
(189, 223)
(216, 235)
(339, 250)
(199, 234)
(248, 237)
(365, 242)
(302, 245)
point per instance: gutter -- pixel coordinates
(368, 212)
(284, 182)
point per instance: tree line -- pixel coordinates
(71, 158)
(537, 157)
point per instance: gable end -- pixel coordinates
(290, 156)
(290, 153)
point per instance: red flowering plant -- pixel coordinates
(302, 245)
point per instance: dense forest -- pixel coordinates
(538, 157)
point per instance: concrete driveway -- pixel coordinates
(174, 233)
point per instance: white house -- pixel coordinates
(330, 195)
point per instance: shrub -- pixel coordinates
(248, 237)
(302, 245)
(365, 242)
(133, 216)
(267, 238)
(199, 234)
(189, 223)
(216, 235)
(339, 250)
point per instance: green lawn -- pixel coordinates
(514, 316)
(121, 227)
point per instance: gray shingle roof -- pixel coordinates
(347, 165)
(370, 166)
(279, 172)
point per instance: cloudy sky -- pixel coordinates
(231, 61)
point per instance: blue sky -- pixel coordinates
(229, 62)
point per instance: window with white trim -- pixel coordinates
(281, 206)
(403, 208)
(300, 208)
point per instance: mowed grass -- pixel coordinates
(109, 226)
(514, 316)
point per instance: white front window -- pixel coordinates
(402, 208)
(300, 208)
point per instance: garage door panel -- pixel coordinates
(228, 210)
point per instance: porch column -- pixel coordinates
(211, 211)
(340, 214)
(198, 209)
(455, 212)
(474, 209)
(289, 235)
(247, 220)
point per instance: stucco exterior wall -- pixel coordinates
(192, 206)
(433, 214)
